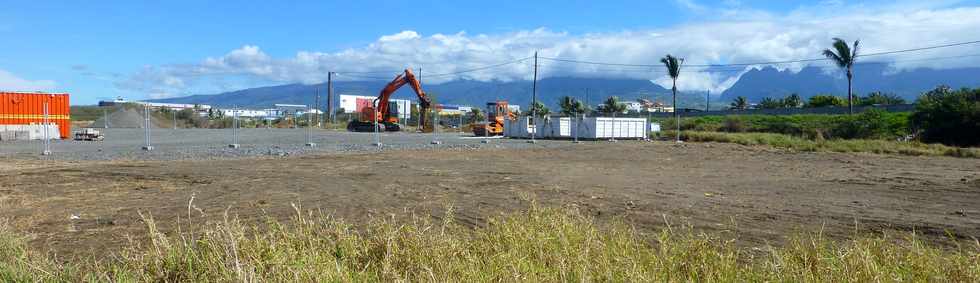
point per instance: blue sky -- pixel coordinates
(135, 49)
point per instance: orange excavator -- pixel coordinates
(496, 113)
(386, 117)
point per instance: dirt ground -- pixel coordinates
(761, 194)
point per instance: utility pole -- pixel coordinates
(420, 109)
(707, 101)
(534, 97)
(330, 96)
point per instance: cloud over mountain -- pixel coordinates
(741, 35)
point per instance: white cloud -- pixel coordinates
(802, 33)
(691, 5)
(11, 82)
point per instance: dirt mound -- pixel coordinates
(125, 117)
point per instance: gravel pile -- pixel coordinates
(126, 118)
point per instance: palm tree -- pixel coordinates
(844, 57)
(673, 65)
(793, 101)
(770, 103)
(740, 103)
(613, 106)
(571, 106)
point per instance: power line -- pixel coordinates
(920, 49)
(758, 63)
(360, 77)
(357, 74)
(479, 68)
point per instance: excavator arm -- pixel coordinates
(402, 79)
(383, 114)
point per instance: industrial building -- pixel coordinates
(34, 115)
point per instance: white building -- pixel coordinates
(356, 103)
(633, 106)
(246, 113)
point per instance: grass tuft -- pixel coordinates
(541, 244)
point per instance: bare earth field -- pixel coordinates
(757, 194)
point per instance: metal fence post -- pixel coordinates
(47, 138)
(377, 135)
(146, 127)
(578, 124)
(309, 129)
(435, 127)
(234, 128)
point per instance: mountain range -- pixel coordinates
(754, 85)
(769, 82)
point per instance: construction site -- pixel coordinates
(526, 155)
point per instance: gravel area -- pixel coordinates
(182, 144)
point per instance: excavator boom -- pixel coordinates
(382, 117)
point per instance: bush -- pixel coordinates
(949, 117)
(885, 125)
(825, 100)
(870, 124)
(734, 124)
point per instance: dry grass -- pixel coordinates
(837, 145)
(542, 244)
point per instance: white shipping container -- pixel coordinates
(620, 128)
(586, 128)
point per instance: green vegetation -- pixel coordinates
(825, 100)
(838, 145)
(740, 103)
(612, 106)
(870, 124)
(950, 117)
(540, 245)
(880, 98)
(571, 106)
(86, 112)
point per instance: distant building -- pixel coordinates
(634, 106)
(155, 105)
(451, 109)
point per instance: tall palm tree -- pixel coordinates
(740, 103)
(844, 57)
(673, 65)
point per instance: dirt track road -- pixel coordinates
(766, 193)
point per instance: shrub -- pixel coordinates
(734, 124)
(949, 117)
(880, 98)
(825, 100)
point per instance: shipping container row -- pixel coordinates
(27, 108)
(585, 128)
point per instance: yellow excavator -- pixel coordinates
(386, 116)
(497, 111)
